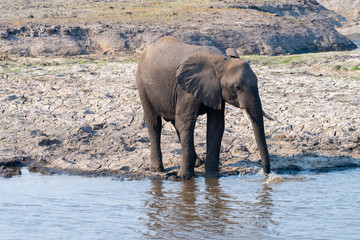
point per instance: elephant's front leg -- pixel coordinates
(198, 161)
(214, 134)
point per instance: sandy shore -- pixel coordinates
(83, 115)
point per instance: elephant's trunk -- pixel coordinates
(258, 127)
(255, 114)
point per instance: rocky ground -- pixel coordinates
(348, 8)
(68, 99)
(83, 115)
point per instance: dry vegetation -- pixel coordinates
(336, 64)
(79, 11)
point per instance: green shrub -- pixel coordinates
(355, 68)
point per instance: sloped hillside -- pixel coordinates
(68, 28)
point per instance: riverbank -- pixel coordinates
(82, 115)
(68, 99)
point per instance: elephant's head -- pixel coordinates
(213, 79)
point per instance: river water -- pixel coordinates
(358, 45)
(305, 206)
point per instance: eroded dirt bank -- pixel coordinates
(83, 115)
(48, 28)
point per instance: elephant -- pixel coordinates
(178, 82)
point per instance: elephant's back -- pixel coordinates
(163, 57)
(161, 60)
(156, 74)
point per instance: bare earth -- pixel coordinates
(83, 116)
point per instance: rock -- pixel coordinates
(86, 129)
(9, 172)
(88, 112)
(356, 139)
(98, 126)
(12, 97)
(48, 142)
(33, 133)
(111, 41)
(4, 35)
(55, 46)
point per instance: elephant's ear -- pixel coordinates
(197, 75)
(231, 52)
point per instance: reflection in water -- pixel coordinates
(217, 207)
(264, 207)
(306, 206)
(190, 210)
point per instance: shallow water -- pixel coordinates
(303, 206)
(358, 45)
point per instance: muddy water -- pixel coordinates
(304, 206)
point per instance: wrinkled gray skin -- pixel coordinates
(178, 82)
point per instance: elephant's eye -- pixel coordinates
(237, 88)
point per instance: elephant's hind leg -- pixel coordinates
(153, 122)
(188, 156)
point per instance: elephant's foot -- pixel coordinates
(186, 174)
(156, 167)
(198, 162)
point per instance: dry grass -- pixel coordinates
(326, 63)
(79, 11)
